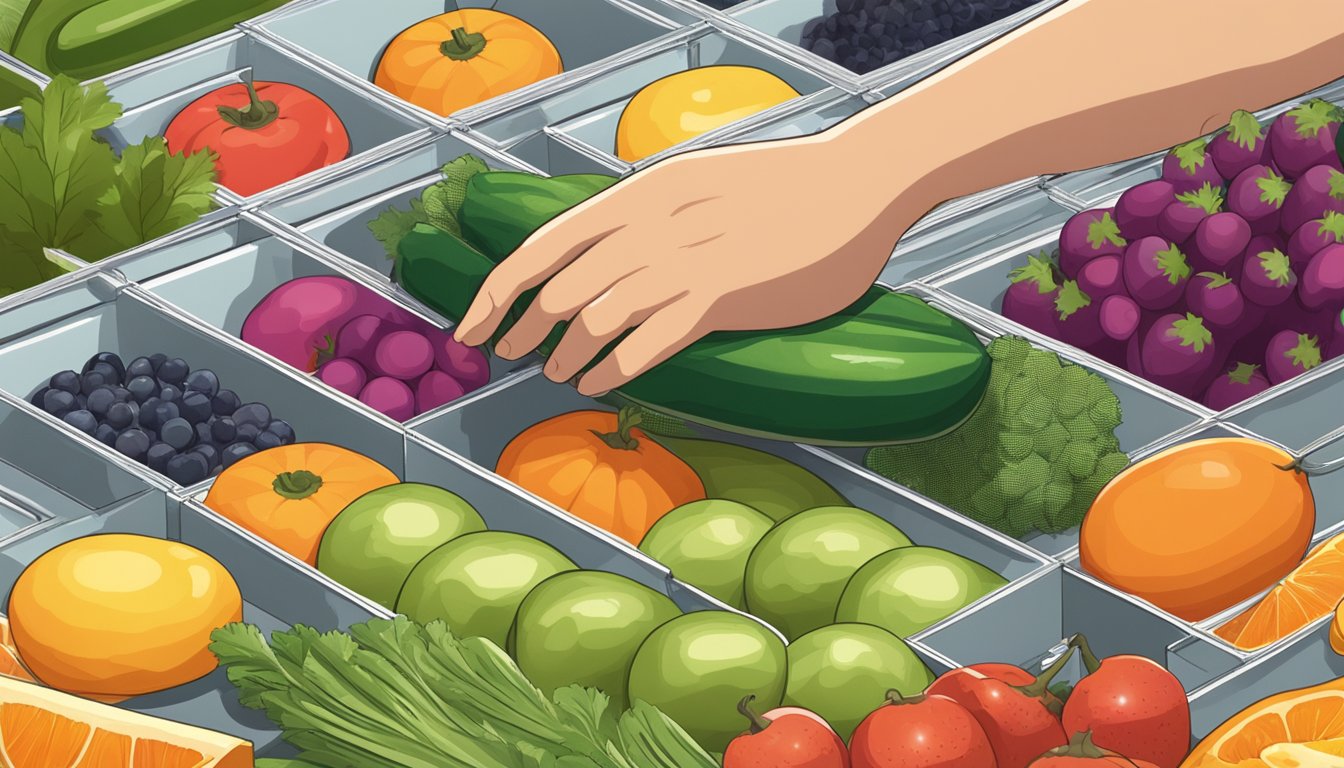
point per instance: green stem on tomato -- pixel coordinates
(463, 45)
(256, 115)
(1089, 659)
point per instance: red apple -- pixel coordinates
(789, 740)
(920, 732)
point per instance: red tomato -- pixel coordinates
(1082, 753)
(265, 134)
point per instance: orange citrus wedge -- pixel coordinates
(1259, 733)
(1310, 592)
(9, 657)
(43, 728)
(1315, 754)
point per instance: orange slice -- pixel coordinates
(1310, 592)
(1300, 717)
(9, 657)
(40, 727)
(1315, 754)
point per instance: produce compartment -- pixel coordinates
(155, 93)
(276, 594)
(588, 112)
(1292, 415)
(804, 117)
(99, 316)
(353, 36)
(1030, 621)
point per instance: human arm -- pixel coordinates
(781, 233)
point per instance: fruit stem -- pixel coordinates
(896, 697)
(1041, 685)
(758, 723)
(256, 115)
(325, 353)
(296, 485)
(627, 419)
(1089, 658)
(463, 45)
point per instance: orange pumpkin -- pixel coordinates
(455, 60)
(290, 494)
(602, 469)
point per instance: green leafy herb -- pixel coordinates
(395, 693)
(438, 205)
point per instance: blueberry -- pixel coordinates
(39, 397)
(158, 456)
(203, 434)
(282, 430)
(105, 434)
(170, 393)
(151, 434)
(204, 381)
(100, 400)
(174, 371)
(110, 359)
(119, 416)
(225, 403)
(111, 376)
(210, 453)
(195, 407)
(247, 433)
(142, 388)
(81, 402)
(253, 413)
(82, 420)
(268, 440)
(187, 469)
(235, 452)
(178, 433)
(223, 430)
(147, 410)
(164, 412)
(140, 366)
(156, 361)
(133, 443)
(66, 381)
(58, 402)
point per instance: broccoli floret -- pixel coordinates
(1032, 457)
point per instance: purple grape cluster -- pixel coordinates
(1216, 281)
(863, 35)
(402, 370)
(156, 410)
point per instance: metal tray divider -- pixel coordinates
(40, 79)
(1046, 239)
(1063, 197)
(840, 77)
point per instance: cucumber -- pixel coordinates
(501, 209)
(888, 369)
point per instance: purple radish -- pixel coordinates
(1215, 298)
(1305, 136)
(1188, 167)
(1267, 277)
(402, 355)
(1178, 353)
(1119, 317)
(1241, 383)
(1030, 299)
(466, 364)
(434, 389)
(1239, 146)
(1102, 277)
(359, 337)
(344, 375)
(297, 321)
(1139, 209)
(1290, 354)
(1310, 238)
(1336, 346)
(1219, 244)
(1078, 324)
(1086, 236)
(1155, 273)
(1323, 280)
(1318, 192)
(1180, 219)
(390, 397)
(1257, 195)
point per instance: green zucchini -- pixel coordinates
(90, 38)
(502, 208)
(888, 369)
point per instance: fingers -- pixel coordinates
(616, 311)
(662, 335)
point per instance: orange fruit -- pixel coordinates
(1300, 717)
(9, 657)
(1315, 754)
(1337, 630)
(42, 728)
(1310, 592)
(116, 615)
(1201, 526)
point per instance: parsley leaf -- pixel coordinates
(393, 224)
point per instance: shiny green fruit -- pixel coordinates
(706, 544)
(843, 672)
(373, 544)
(476, 582)
(698, 666)
(799, 569)
(908, 590)
(584, 627)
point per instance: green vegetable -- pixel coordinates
(397, 694)
(501, 209)
(1035, 454)
(62, 187)
(11, 13)
(90, 38)
(887, 369)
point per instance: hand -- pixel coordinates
(750, 237)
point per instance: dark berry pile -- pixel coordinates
(863, 35)
(159, 412)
